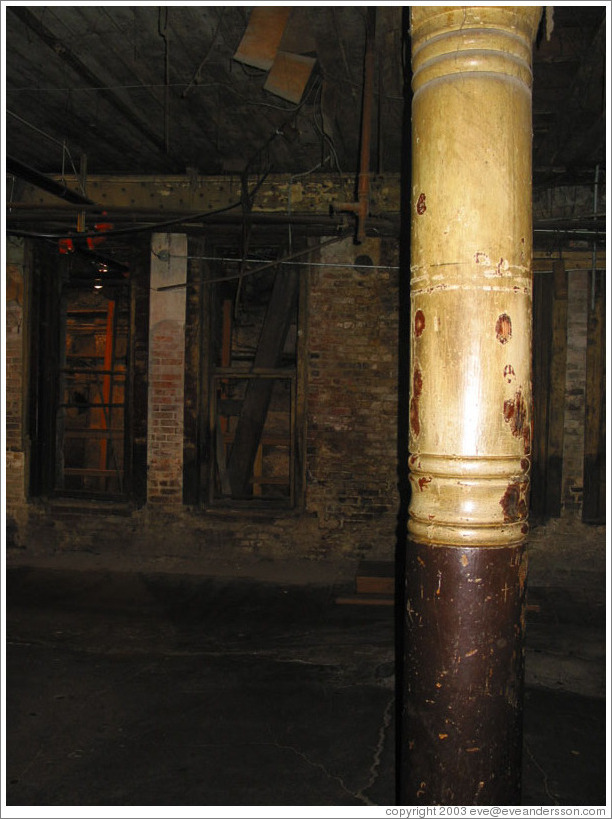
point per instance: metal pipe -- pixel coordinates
(29, 174)
(470, 403)
(361, 207)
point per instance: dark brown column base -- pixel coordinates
(463, 671)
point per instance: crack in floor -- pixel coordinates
(375, 766)
(551, 796)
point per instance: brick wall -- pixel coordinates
(352, 399)
(351, 498)
(166, 369)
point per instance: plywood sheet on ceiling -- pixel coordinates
(263, 36)
(289, 76)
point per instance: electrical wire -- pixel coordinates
(195, 80)
(262, 267)
(65, 148)
(321, 129)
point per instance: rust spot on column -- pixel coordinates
(503, 328)
(419, 323)
(417, 389)
(515, 414)
(514, 502)
(424, 481)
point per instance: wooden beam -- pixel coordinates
(279, 193)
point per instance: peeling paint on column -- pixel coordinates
(503, 328)
(419, 323)
(514, 502)
(515, 414)
(417, 389)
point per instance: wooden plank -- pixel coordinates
(263, 36)
(594, 492)
(371, 600)
(95, 473)
(289, 76)
(375, 577)
(556, 392)
(376, 568)
(251, 422)
(375, 585)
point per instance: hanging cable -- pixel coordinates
(195, 80)
(277, 262)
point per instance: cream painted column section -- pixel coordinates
(470, 404)
(471, 256)
(166, 369)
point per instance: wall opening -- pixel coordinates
(90, 417)
(249, 372)
(86, 376)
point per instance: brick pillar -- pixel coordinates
(166, 369)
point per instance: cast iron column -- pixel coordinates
(470, 404)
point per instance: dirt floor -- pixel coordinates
(171, 688)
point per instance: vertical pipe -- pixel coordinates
(362, 206)
(470, 403)
(363, 193)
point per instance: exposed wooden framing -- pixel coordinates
(255, 407)
(74, 62)
(137, 387)
(575, 259)
(556, 391)
(594, 486)
(43, 308)
(583, 84)
(107, 384)
(549, 364)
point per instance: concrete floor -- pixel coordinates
(148, 688)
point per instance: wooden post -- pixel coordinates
(470, 404)
(556, 392)
(594, 493)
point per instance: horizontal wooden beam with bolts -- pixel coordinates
(278, 193)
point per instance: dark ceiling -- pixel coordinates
(148, 90)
